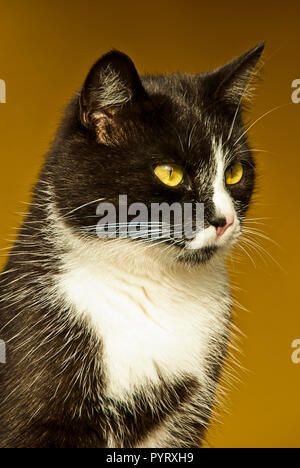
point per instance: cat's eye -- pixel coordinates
(234, 174)
(170, 175)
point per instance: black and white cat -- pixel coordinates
(120, 342)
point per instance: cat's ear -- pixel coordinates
(234, 83)
(111, 90)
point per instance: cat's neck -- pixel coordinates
(147, 314)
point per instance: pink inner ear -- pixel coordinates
(109, 128)
(100, 121)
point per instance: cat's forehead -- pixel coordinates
(180, 85)
(190, 128)
(179, 97)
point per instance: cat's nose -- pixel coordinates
(221, 224)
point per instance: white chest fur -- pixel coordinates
(150, 320)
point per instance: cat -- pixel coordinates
(119, 342)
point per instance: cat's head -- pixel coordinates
(158, 139)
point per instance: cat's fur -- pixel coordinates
(119, 343)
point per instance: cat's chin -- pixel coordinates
(196, 257)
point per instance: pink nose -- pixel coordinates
(229, 220)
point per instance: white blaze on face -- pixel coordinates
(223, 204)
(222, 200)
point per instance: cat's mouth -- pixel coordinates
(207, 243)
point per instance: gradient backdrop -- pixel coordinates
(46, 48)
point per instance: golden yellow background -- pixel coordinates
(46, 48)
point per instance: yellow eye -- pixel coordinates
(234, 174)
(169, 175)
